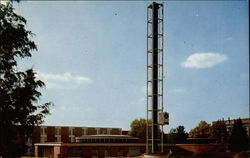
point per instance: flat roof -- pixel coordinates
(78, 126)
(89, 144)
(95, 144)
(48, 144)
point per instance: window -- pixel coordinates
(58, 130)
(97, 130)
(72, 139)
(71, 131)
(71, 134)
(43, 130)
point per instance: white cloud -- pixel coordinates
(203, 60)
(65, 80)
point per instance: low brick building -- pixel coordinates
(65, 134)
(99, 150)
(88, 150)
(92, 146)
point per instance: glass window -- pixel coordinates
(43, 130)
(71, 131)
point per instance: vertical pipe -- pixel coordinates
(155, 130)
(162, 76)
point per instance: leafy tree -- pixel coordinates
(238, 139)
(219, 132)
(177, 135)
(138, 129)
(19, 95)
(200, 131)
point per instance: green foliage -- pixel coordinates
(19, 95)
(219, 132)
(200, 131)
(138, 129)
(177, 135)
(238, 139)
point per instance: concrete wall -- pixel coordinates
(56, 152)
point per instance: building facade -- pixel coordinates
(99, 150)
(230, 123)
(92, 146)
(88, 150)
(65, 134)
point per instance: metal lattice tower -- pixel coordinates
(155, 32)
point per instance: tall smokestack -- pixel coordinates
(155, 130)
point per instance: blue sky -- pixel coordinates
(92, 57)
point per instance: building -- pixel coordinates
(100, 146)
(230, 123)
(65, 134)
(92, 146)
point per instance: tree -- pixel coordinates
(200, 131)
(219, 132)
(138, 129)
(177, 135)
(238, 139)
(19, 95)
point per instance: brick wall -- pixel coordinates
(115, 131)
(51, 134)
(78, 132)
(103, 131)
(91, 131)
(36, 134)
(65, 134)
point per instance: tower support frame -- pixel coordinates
(155, 31)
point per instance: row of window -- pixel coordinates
(43, 131)
(107, 140)
(58, 139)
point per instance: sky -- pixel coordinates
(92, 58)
